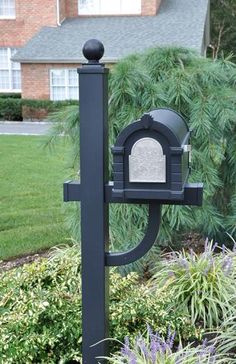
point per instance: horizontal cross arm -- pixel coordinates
(193, 195)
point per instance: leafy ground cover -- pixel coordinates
(40, 312)
(31, 207)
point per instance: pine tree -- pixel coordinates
(223, 27)
(203, 91)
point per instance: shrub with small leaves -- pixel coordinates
(40, 310)
(40, 306)
(133, 305)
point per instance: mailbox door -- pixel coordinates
(147, 161)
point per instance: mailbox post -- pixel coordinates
(150, 166)
(93, 80)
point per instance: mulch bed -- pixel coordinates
(16, 262)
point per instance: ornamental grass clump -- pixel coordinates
(203, 285)
(226, 339)
(158, 350)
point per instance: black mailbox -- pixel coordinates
(151, 158)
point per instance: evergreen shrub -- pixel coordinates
(203, 91)
(39, 109)
(16, 109)
(10, 109)
(10, 95)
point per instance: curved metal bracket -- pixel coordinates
(154, 218)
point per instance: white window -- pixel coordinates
(7, 9)
(64, 84)
(10, 74)
(109, 7)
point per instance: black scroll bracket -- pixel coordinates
(154, 218)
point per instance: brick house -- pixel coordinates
(41, 40)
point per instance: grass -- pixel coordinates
(32, 212)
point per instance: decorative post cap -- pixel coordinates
(93, 51)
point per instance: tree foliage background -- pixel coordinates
(223, 27)
(203, 90)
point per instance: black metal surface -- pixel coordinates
(72, 191)
(94, 210)
(193, 195)
(154, 219)
(170, 130)
(173, 120)
(93, 51)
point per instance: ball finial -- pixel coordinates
(93, 50)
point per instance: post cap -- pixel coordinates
(93, 51)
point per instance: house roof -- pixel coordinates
(178, 23)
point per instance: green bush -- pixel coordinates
(203, 91)
(48, 105)
(132, 306)
(223, 28)
(202, 285)
(10, 96)
(40, 310)
(10, 109)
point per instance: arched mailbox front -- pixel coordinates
(151, 157)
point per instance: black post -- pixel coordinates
(93, 84)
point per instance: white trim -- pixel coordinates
(7, 17)
(86, 12)
(68, 61)
(26, 122)
(11, 91)
(50, 83)
(26, 134)
(58, 13)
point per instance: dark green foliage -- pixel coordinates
(10, 109)
(10, 96)
(47, 104)
(204, 92)
(40, 310)
(223, 27)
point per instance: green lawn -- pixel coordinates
(32, 212)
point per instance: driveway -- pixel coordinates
(24, 127)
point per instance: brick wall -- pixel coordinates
(31, 15)
(62, 5)
(150, 7)
(71, 8)
(36, 79)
